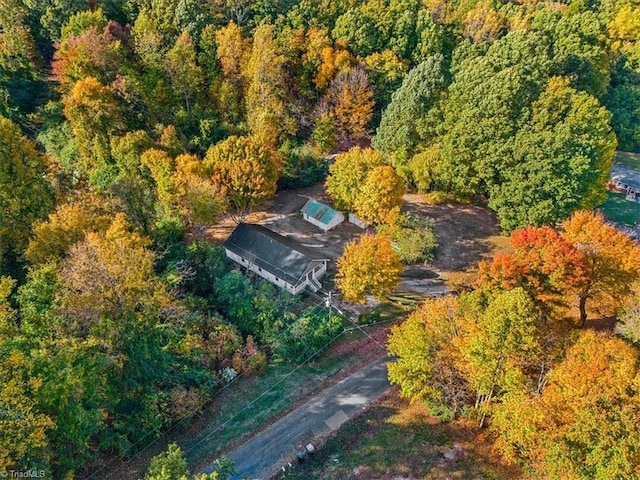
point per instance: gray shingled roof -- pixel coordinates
(281, 256)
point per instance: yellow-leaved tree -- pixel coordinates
(68, 224)
(231, 51)
(348, 174)
(245, 172)
(585, 422)
(380, 196)
(266, 99)
(368, 266)
(427, 366)
(24, 429)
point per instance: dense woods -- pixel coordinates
(127, 126)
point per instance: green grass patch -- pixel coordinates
(628, 159)
(619, 210)
(253, 402)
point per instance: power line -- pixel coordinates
(328, 302)
(193, 411)
(265, 392)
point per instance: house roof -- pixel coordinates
(283, 257)
(625, 175)
(320, 211)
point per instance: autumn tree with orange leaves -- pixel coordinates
(543, 263)
(611, 260)
(585, 422)
(588, 259)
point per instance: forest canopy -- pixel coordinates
(127, 124)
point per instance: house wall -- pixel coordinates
(335, 221)
(318, 272)
(295, 290)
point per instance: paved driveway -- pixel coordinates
(270, 450)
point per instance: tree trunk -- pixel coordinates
(583, 309)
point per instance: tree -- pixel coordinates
(231, 52)
(628, 324)
(186, 75)
(368, 266)
(25, 195)
(68, 224)
(199, 198)
(579, 49)
(498, 348)
(94, 115)
(244, 171)
(406, 122)
(23, 444)
(348, 174)
(547, 266)
(612, 260)
(21, 75)
(266, 98)
(349, 100)
(413, 238)
(386, 71)
(380, 195)
(484, 24)
(153, 31)
(561, 159)
(96, 51)
(171, 465)
(162, 167)
(111, 275)
(486, 104)
(8, 314)
(427, 365)
(583, 425)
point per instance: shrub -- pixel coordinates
(310, 332)
(414, 240)
(302, 166)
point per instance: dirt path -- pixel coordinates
(270, 450)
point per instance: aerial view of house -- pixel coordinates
(625, 180)
(279, 259)
(319, 239)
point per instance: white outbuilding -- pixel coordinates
(321, 215)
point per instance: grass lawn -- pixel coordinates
(617, 209)
(395, 440)
(631, 160)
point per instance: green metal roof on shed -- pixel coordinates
(320, 211)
